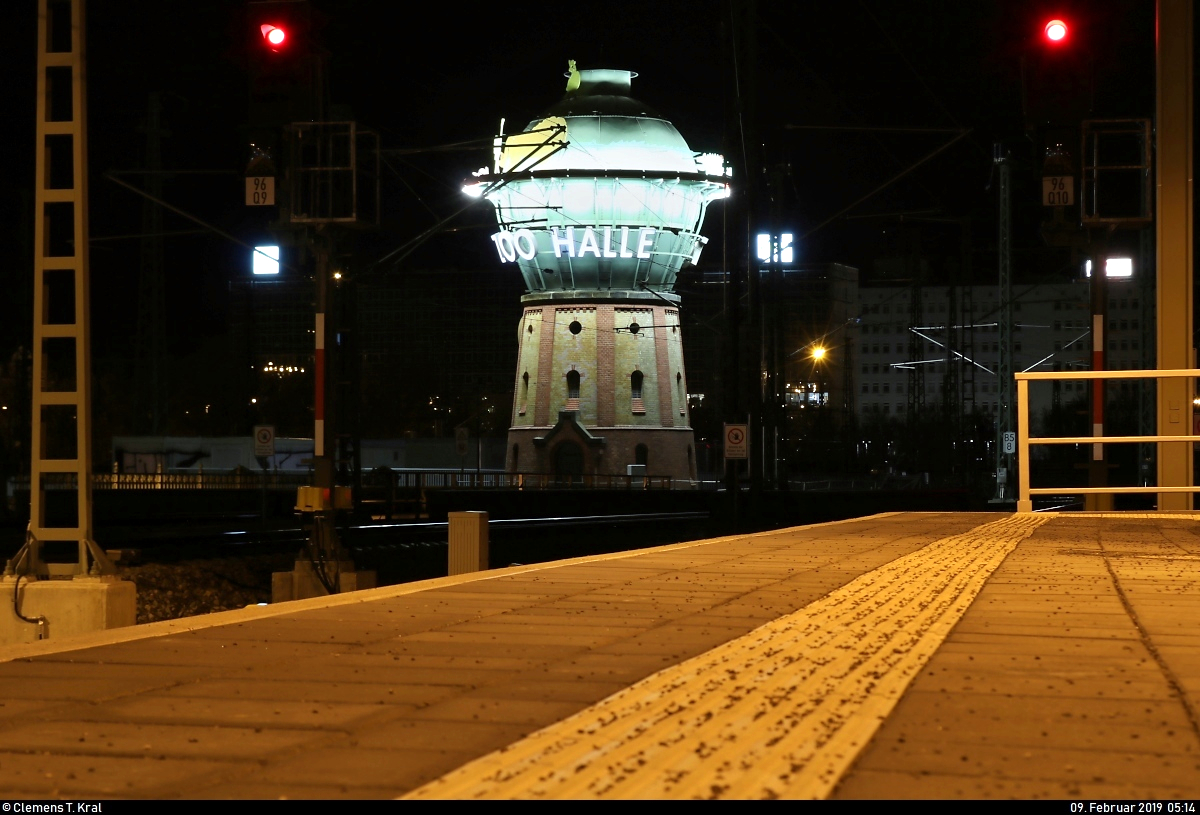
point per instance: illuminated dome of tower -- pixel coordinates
(609, 130)
(600, 193)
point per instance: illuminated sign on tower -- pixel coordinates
(599, 203)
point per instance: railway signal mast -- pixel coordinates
(324, 177)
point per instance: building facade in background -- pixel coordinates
(945, 349)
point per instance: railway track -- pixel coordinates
(520, 540)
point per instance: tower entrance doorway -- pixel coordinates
(568, 462)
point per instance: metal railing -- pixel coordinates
(170, 481)
(417, 480)
(863, 484)
(530, 481)
(1024, 501)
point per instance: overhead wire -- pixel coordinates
(404, 250)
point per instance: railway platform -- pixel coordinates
(900, 655)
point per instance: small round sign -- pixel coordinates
(737, 437)
(264, 440)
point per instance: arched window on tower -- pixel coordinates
(572, 390)
(637, 404)
(523, 402)
(641, 454)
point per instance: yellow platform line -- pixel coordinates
(1143, 516)
(780, 712)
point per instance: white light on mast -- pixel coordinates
(265, 260)
(1113, 267)
(785, 252)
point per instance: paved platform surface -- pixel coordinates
(909, 655)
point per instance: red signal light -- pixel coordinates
(274, 35)
(1056, 31)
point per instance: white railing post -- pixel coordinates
(1024, 441)
(1024, 504)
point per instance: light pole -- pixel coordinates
(1006, 437)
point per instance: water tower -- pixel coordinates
(599, 203)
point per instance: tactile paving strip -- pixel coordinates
(778, 713)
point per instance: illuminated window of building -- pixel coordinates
(637, 404)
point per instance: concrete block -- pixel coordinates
(302, 583)
(281, 587)
(70, 607)
(356, 580)
(468, 542)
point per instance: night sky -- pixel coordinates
(448, 76)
